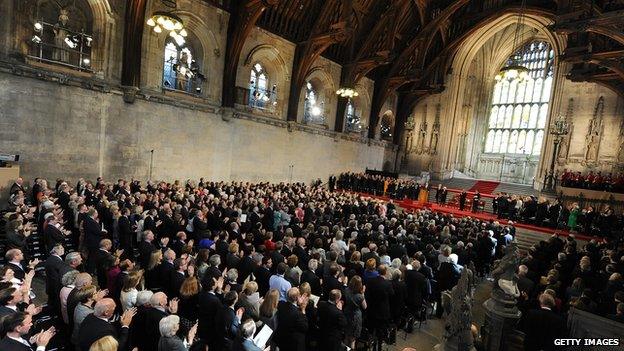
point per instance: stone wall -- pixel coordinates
(71, 132)
(465, 105)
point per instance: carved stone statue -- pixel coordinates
(501, 310)
(594, 132)
(60, 52)
(458, 307)
(435, 132)
(422, 133)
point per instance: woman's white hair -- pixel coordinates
(169, 325)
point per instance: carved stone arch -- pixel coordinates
(270, 58)
(386, 116)
(326, 89)
(275, 66)
(105, 21)
(102, 20)
(362, 103)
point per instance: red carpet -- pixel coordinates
(410, 205)
(485, 186)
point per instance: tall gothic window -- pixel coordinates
(519, 108)
(353, 120)
(385, 130)
(260, 96)
(181, 71)
(313, 108)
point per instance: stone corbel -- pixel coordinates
(129, 94)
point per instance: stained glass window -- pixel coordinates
(519, 108)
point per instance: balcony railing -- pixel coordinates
(53, 43)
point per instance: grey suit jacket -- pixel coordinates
(171, 343)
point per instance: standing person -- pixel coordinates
(574, 211)
(354, 307)
(462, 200)
(380, 290)
(17, 326)
(332, 321)
(543, 326)
(292, 322)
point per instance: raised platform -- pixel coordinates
(410, 205)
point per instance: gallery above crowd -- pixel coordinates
(184, 265)
(593, 181)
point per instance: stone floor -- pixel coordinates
(430, 334)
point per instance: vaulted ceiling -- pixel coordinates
(407, 45)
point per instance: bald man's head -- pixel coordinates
(159, 299)
(104, 308)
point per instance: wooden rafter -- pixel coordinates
(327, 31)
(416, 47)
(242, 20)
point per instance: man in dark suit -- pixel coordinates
(209, 305)
(228, 321)
(53, 267)
(263, 274)
(158, 311)
(247, 264)
(14, 258)
(177, 277)
(543, 326)
(332, 322)
(418, 287)
(102, 258)
(146, 247)
(17, 186)
(309, 276)
(293, 324)
(126, 232)
(17, 326)
(331, 281)
(379, 292)
(53, 233)
(92, 236)
(97, 325)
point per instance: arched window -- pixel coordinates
(260, 96)
(387, 124)
(519, 108)
(313, 109)
(62, 34)
(353, 120)
(181, 71)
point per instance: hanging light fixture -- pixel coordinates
(169, 22)
(514, 68)
(347, 92)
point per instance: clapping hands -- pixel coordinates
(43, 338)
(126, 317)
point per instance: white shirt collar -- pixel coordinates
(20, 340)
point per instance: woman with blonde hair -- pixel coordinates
(107, 343)
(152, 273)
(130, 289)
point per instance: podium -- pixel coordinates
(7, 178)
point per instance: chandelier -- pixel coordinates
(514, 69)
(160, 21)
(347, 92)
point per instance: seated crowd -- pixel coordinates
(173, 266)
(593, 181)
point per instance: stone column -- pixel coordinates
(501, 312)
